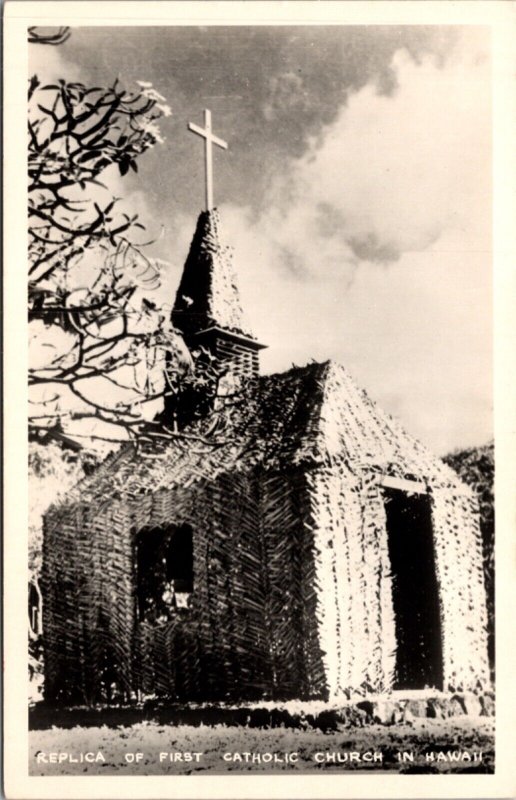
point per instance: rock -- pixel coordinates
(352, 716)
(399, 712)
(408, 716)
(280, 718)
(384, 712)
(367, 708)
(417, 708)
(327, 721)
(488, 705)
(259, 718)
(435, 709)
(472, 705)
(456, 706)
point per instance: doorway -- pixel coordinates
(415, 594)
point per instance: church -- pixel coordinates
(292, 542)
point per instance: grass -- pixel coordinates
(461, 734)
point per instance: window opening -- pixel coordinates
(164, 572)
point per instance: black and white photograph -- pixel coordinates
(260, 442)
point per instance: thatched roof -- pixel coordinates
(208, 295)
(301, 418)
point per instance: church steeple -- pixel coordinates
(207, 294)
(207, 308)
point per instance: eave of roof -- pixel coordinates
(239, 338)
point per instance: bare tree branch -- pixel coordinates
(75, 133)
(38, 36)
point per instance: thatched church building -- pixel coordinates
(295, 542)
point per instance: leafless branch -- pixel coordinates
(75, 133)
(37, 36)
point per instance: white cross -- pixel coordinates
(210, 139)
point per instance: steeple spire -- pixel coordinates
(208, 295)
(207, 309)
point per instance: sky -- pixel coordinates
(356, 192)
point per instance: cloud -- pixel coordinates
(392, 173)
(49, 63)
(368, 248)
(416, 335)
(286, 96)
(374, 249)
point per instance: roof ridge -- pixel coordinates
(320, 443)
(295, 368)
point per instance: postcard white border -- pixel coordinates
(500, 16)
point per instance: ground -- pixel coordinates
(433, 745)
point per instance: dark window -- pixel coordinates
(164, 571)
(180, 559)
(414, 591)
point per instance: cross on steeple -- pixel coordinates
(207, 134)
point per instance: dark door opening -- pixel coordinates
(415, 594)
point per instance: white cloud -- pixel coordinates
(403, 180)
(391, 173)
(49, 64)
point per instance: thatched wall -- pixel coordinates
(292, 592)
(458, 549)
(249, 630)
(354, 609)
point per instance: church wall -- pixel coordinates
(458, 548)
(208, 649)
(88, 601)
(291, 595)
(218, 645)
(249, 631)
(61, 585)
(251, 624)
(355, 614)
(354, 609)
(292, 591)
